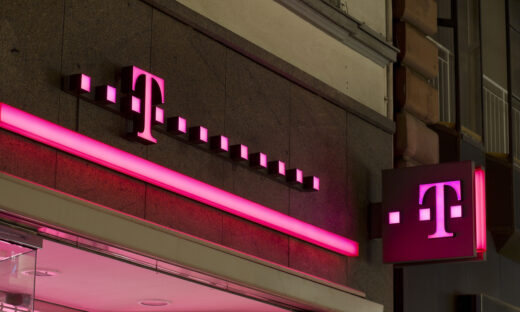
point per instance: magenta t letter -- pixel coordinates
(440, 220)
(142, 83)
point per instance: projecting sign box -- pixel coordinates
(434, 213)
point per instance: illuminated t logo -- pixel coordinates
(440, 230)
(150, 90)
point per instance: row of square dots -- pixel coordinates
(394, 217)
(239, 152)
(107, 94)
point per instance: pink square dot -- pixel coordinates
(424, 214)
(111, 94)
(316, 183)
(181, 125)
(456, 211)
(85, 83)
(159, 115)
(263, 160)
(299, 176)
(203, 134)
(394, 217)
(281, 168)
(224, 143)
(243, 152)
(136, 105)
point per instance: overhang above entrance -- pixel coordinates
(48, 207)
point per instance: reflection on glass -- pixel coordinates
(42, 306)
(17, 266)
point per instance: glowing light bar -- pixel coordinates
(77, 144)
(480, 209)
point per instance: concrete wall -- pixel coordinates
(211, 84)
(371, 12)
(284, 34)
(434, 287)
(493, 28)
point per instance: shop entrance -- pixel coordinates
(86, 276)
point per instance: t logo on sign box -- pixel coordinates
(434, 213)
(424, 214)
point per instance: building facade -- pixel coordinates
(477, 77)
(131, 140)
(196, 155)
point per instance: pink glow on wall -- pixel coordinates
(85, 83)
(440, 222)
(480, 209)
(147, 96)
(74, 143)
(394, 217)
(424, 214)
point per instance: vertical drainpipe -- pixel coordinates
(390, 71)
(509, 86)
(389, 67)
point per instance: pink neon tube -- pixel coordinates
(480, 207)
(77, 144)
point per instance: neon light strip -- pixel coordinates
(77, 144)
(480, 208)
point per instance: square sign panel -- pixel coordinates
(434, 213)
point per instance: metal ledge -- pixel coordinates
(346, 29)
(45, 206)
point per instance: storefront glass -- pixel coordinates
(17, 275)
